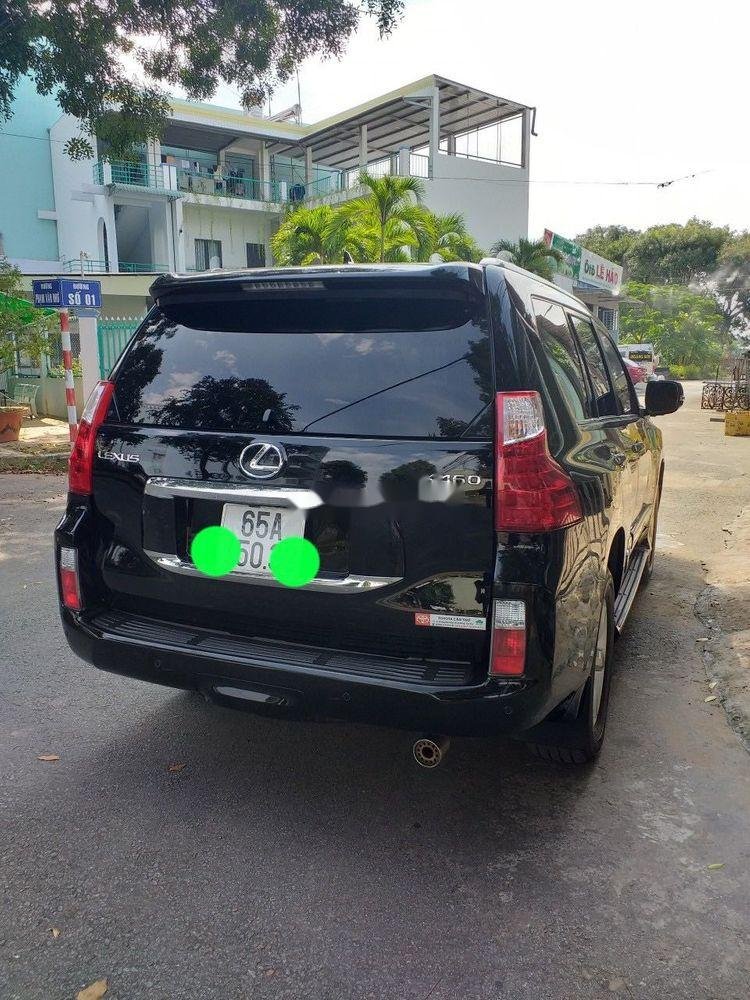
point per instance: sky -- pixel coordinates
(637, 91)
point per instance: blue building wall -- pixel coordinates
(26, 176)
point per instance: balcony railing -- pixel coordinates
(132, 175)
(221, 185)
(419, 165)
(169, 178)
(89, 266)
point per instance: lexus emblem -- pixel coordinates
(262, 460)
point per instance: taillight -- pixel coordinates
(532, 492)
(508, 638)
(81, 464)
(69, 585)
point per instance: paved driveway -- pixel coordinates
(316, 861)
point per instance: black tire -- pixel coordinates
(585, 733)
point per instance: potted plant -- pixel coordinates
(10, 422)
(23, 330)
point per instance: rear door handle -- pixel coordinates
(617, 457)
(639, 447)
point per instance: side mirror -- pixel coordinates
(663, 397)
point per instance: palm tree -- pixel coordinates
(314, 236)
(390, 219)
(447, 237)
(533, 255)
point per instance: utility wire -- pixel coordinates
(659, 185)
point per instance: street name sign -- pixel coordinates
(67, 293)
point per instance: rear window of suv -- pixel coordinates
(368, 367)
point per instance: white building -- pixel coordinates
(214, 190)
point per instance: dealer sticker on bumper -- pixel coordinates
(448, 621)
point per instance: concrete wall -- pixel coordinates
(79, 202)
(493, 199)
(26, 188)
(50, 400)
(233, 227)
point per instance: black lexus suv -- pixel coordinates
(462, 445)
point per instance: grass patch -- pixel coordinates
(33, 463)
(48, 447)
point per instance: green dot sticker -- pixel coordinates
(215, 550)
(294, 562)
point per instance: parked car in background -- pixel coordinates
(643, 355)
(636, 372)
(462, 445)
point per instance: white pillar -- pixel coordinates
(404, 161)
(153, 152)
(434, 128)
(363, 147)
(308, 167)
(179, 236)
(114, 263)
(89, 355)
(526, 138)
(264, 168)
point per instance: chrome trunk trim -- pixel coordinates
(232, 493)
(351, 584)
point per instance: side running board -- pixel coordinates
(629, 586)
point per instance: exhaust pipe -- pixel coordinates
(429, 751)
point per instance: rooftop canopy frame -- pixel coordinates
(419, 114)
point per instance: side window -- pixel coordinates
(620, 378)
(562, 353)
(606, 402)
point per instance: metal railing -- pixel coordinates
(221, 185)
(170, 178)
(419, 165)
(74, 265)
(131, 174)
(113, 335)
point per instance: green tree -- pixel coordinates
(612, 242)
(390, 219)
(686, 327)
(533, 255)
(675, 254)
(730, 284)
(448, 237)
(389, 223)
(320, 235)
(108, 63)
(23, 328)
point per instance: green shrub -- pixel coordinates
(687, 372)
(59, 372)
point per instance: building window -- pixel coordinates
(608, 316)
(256, 255)
(207, 255)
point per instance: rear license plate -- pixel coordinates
(259, 529)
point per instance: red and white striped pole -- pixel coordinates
(70, 388)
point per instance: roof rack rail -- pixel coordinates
(508, 265)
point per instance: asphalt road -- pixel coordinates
(317, 861)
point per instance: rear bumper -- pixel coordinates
(297, 682)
